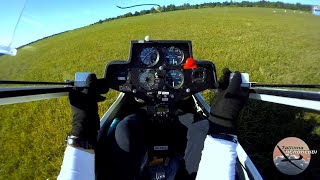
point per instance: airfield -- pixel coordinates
(273, 47)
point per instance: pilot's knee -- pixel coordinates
(124, 131)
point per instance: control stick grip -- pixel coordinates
(244, 78)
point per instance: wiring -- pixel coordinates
(127, 7)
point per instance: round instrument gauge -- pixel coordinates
(147, 80)
(199, 75)
(174, 56)
(149, 56)
(174, 79)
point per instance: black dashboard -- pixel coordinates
(161, 73)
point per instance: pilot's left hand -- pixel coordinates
(85, 118)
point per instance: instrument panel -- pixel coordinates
(150, 56)
(158, 73)
(155, 54)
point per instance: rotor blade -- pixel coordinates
(35, 82)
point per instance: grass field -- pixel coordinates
(271, 47)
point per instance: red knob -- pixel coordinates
(190, 64)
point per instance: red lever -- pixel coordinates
(190, 64)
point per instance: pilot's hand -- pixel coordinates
(84, 105)
(230, 100)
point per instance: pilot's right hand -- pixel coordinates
(227, 106)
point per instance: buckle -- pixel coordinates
(227, 137)
(75, 141)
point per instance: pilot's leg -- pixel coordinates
(196, 135)
(129, 147)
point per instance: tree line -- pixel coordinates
(172, 7)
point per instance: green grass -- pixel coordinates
(271, 47)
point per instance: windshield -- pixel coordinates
(275, 42)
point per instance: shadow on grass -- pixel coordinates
(262, 125)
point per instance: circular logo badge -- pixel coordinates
(291, 156)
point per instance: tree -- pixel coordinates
(136, 13)
(186, 6)
(164, 8)
(171, 7)
(127, 15)
(226, 3)
(153, 10)
(143, 12)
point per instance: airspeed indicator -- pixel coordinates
(149, 56)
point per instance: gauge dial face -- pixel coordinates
(149, 56)
(174, 79)
(199, 75)
(147, 80)
(174, 56)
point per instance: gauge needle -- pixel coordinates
(172, 55)
(147, 55)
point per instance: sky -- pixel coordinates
(42, 18)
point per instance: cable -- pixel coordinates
(138, 5)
